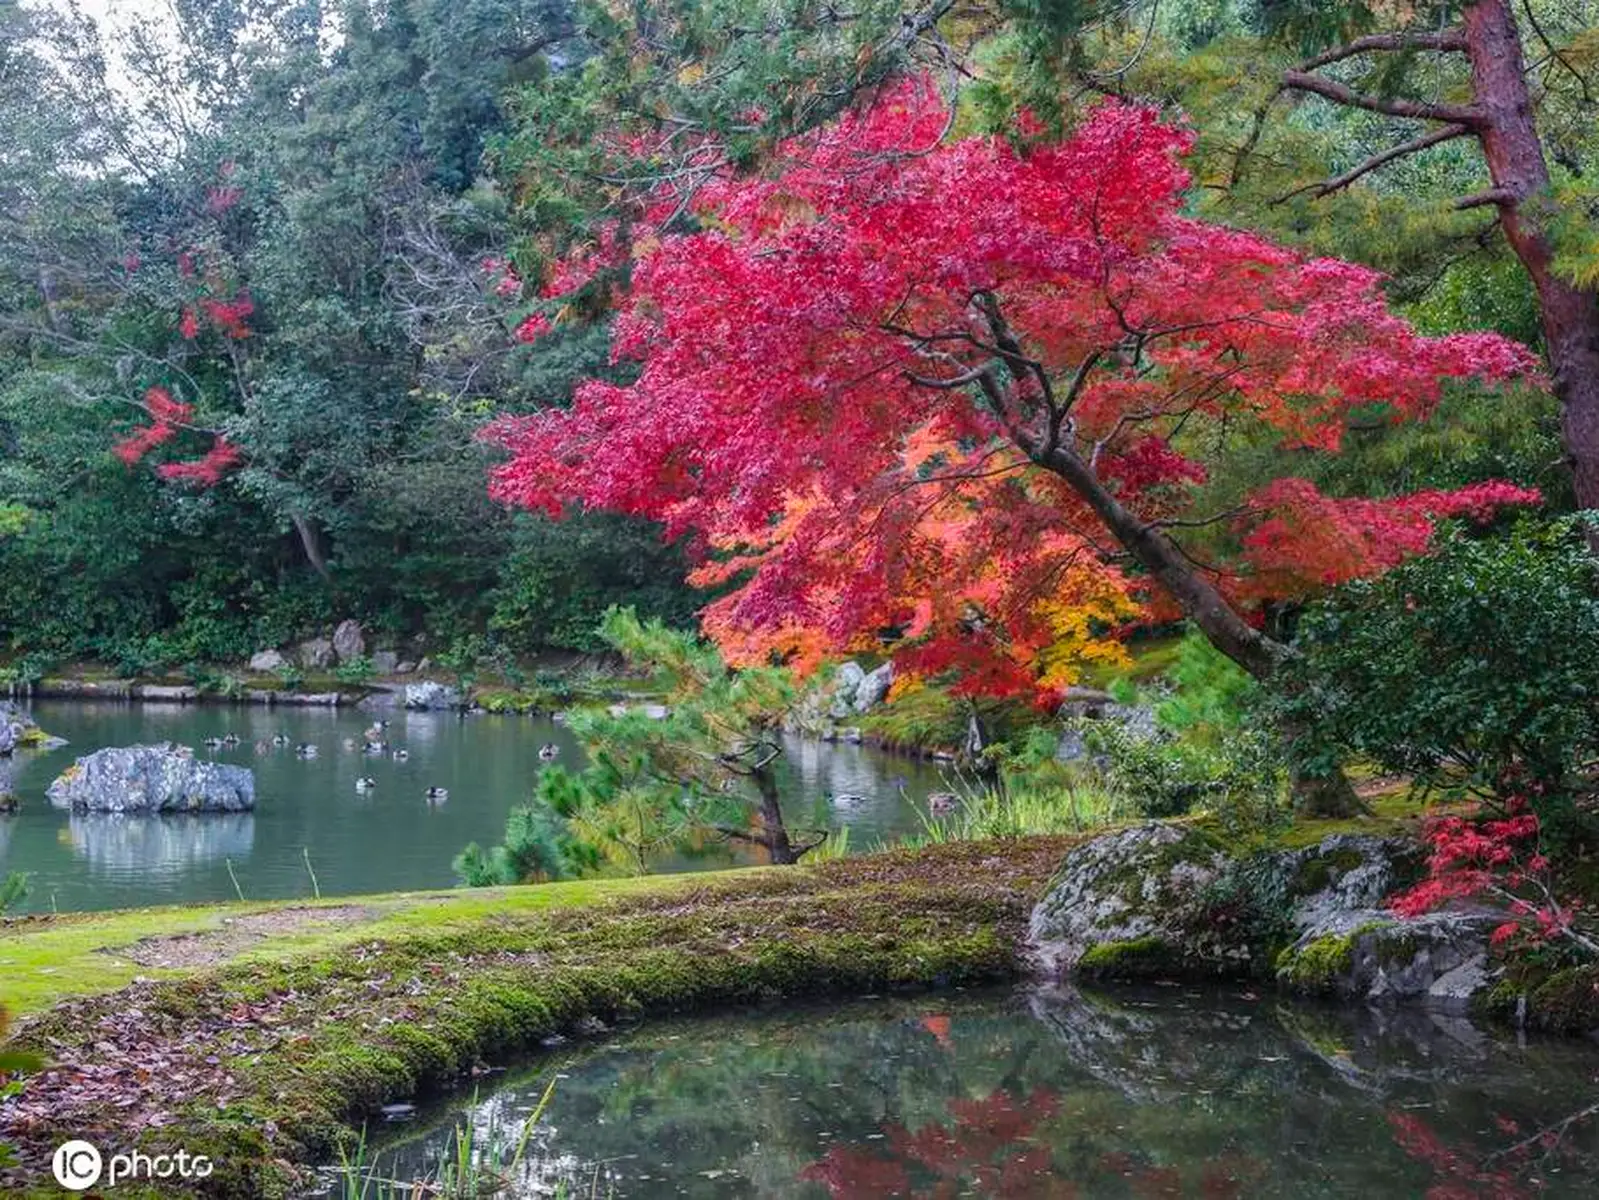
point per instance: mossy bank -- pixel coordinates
(269, 1057)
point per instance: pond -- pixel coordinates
(1170, 1092)
(387, 839)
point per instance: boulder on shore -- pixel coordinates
(349, 641)
(1170, 901)
(267, 660)
(315, 655)
(161, 778)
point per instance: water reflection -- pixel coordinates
(1164, 1094)
(159, 847)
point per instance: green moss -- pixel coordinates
(1566, 1002)
(1137, 958)
(1320, 871)
(406, 1003)
(1316, 967)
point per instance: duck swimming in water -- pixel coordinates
(549, 752)
(305, 750)
(280, 739)
(212, 743)
(230, 739)
(365, 784)
(437, 795)
(401, 754)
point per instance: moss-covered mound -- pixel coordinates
(267, 1063)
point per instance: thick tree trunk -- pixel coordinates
(1514, 153)
(774, 833)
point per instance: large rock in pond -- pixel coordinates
(431, 695)
(1162, 900)
(162, 778)
(19, 732)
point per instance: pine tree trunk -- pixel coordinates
(774, 833)
(1514, 153)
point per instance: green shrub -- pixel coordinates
(1472, 669)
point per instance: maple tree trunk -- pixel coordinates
(1318, 795)
(1516, 164)
(1161, 557)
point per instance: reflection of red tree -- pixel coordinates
(1461, 1172)
(980, 1152)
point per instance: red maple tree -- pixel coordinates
(965, 394)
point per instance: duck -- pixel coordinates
(212, 743)
(846, 799)
(437, 795)
(401, 754)
(549, 752)
(306, 750)
(374, 732)
(365, 784)
(942, 802)
(280, 739)
(375, 748)
(348, 743)
(231, 739)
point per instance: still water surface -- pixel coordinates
(1173, 1092)
(359, 842)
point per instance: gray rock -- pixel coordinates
(874, 688)
(1163, 899)
(19, 732)
(317, 654)
(846, 683)
(405, 668)
(267, 660)
(349, 641)
(431, 695)
(385, 662)
(382, 700)
(1144, 885)
(160, 778)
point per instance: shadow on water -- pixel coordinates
(387, 839)
(1058, 1094)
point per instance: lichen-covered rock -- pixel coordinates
(1165, 900)
(1131, 902)
(161, 778)
(315, 655)
(431, 695)
(349, 641)
(19, 732)
(1439, 961)
(267, 660)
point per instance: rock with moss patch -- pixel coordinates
(161, 778)
(19, 732)
(1134, 903)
